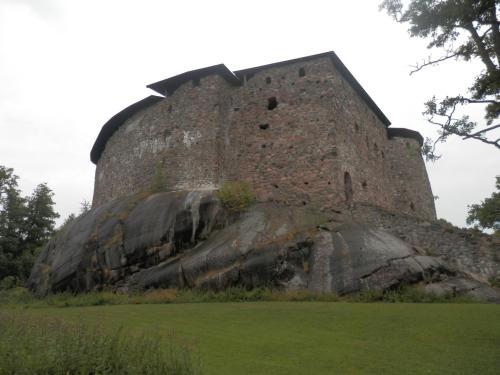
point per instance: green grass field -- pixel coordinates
(318, 337)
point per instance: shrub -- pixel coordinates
(235, 195)
(20, 297)
(43, 345)
(158, 182)
(495, 281)
(406, 294)
(8, 282)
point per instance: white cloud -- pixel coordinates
(47, 9)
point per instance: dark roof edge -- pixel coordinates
(116, 121)
(339, 65)
(405, 133)
(240, 73)
(169, 85)
(361, 91)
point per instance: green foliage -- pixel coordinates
(26, 223)
(8, 282)
(51, 346)
(461, 29)
(20, 297)
(158, 182)
(288, 338)
(495, 281)
(236, 195)
(487, 214)
(407, 294)
(41, 216)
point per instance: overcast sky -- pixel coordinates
(67, 66)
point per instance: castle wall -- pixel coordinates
(412, 190)
(301, 151)
(466, 249)
(298, 133)
(177, 135)
(288, 153)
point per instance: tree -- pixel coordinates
(40, 217)
(487, 214)
(85, 207)
(26, 223)
(467, 30)
(12, 216)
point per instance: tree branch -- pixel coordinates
(483, 101)
(432, 62)
(482, 131)
(494, 143)
(494, 30)
(483, 53)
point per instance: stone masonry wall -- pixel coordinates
(299, 133)
(320, 137)
(178, 135)
(409, 178)
(467, 250)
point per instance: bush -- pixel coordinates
(235, 195)
(406, 294)
(51, 346)
(8, 282)
(495, 281)
(20, 297)
(158, 181)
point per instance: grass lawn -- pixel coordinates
(319, 337)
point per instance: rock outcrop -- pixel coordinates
(185, 239)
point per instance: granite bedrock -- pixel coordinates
(185, 239)
(344, 203)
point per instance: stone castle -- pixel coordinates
(344, 201)
(301, 132)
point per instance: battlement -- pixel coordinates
(301, 132)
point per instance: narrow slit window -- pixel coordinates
(302, 72)
(348, 187)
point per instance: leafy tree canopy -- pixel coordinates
(26, 223)
(487, 214)
(460, 29)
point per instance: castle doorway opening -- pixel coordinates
(348, 187)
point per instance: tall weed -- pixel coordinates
(51, 346)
